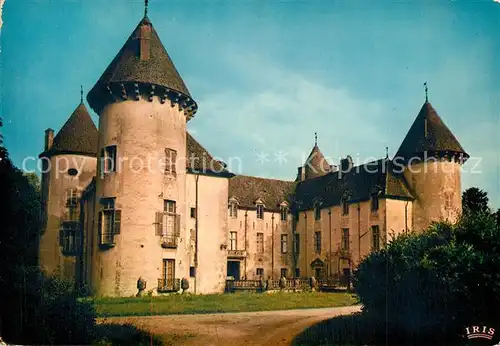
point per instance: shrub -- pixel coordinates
(436, 283)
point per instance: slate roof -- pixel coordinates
(77, 136)
(127, 67)
(200, 160)
(439, 138)
(318, 165)
(358, 184)
(272, 192)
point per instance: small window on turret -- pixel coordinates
(108, 159)
(374, 202)
(170, 162)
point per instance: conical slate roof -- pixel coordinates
(77, 136)
(158, 69)
(429, 134)
(316, 164)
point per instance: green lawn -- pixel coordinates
(217, 303)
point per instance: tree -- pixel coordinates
(435, 283)
(475, 200)
(34, 180)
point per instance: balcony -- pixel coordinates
(237, 253)
(169, 241)
(168, 285)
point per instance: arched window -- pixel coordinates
(345, 206)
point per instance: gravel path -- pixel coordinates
(234, 329)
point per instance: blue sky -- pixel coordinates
(268, 74)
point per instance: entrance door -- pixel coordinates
(168, 274)
(346, 276)
(233, 269)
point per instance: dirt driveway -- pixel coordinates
(234, 329)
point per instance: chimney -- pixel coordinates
(145, 42)
(49, 138)
(301, 175)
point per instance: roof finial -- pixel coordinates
(315, 138)
(146, 8)
(81, 93)
(386, 152)
(426, 91)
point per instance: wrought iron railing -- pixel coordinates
(169, 285)
(169, 241)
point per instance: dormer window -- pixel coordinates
(345, 206)
(317, 212)
(374, 202)
(284, 211)
(260, 211)
(233, 208)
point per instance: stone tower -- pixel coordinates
(69, 161)
(431, 158)
(143, 106)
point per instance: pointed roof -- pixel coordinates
(429, 134)
(77, 136)
(316, 164)
(158, 69)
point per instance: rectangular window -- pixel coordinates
(193, 213)
(167, 281)
(170, 162)
(260, 272)
(317, 213)
(233, 209)
(260, 242)
(192, 272)
(170, 229)
(284, 243)
(297, 272)
(345, 239)
(284, 272)
(284, 213)
(374, 203)
(317, 241)
(233, 241)
(345, 207)
(72, 204)
(109, 221)
(108, 159)
(375, 238)
(296, 244)
(260, 211)
(69, 238)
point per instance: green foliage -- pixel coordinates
(435, 283)
(475, 200)
(34, 309)
(34, 180)
(218, 303)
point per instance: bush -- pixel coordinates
(50, 313)
(434, 284)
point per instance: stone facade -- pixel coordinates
(148, 201)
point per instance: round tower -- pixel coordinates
(143, 106)
(431, 158)
(69, 163)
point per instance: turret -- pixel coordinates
(69, 163)
(316, 164)
(431, 157)
(143, 106)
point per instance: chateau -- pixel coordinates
(140, 197)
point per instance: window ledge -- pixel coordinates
(106, 246)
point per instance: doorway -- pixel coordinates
(233, 269)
